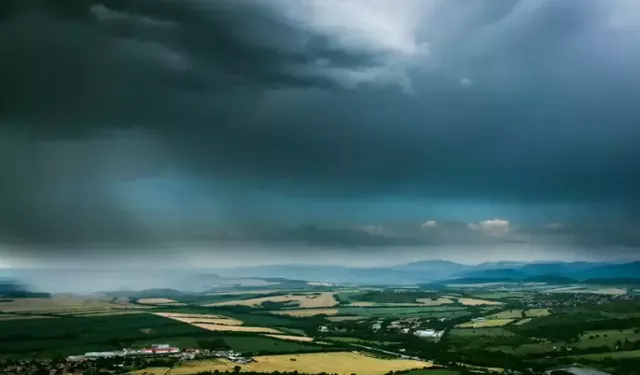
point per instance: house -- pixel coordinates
(425, 333)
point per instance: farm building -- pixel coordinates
(428, 333)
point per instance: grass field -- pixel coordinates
(203, 319)
(331, 363)
(5, 317)
(626, 354)
(77, 335)
(66, 306)
(159, 301)
(523, 321)
(466, 332)
(510, 314)
(426, 311)
(525, 349)
(225, 328)
(216, 323)
(357, 340)
(305, 312)
(311, 300)
(346, 297)
(536, 313)
(435, 302)
(477, 302)
(486, 323)
(606, 337)
(344, 318)
(268, 345)
(498, 295)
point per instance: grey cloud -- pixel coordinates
(243, 91)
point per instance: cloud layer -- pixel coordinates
(156, 121)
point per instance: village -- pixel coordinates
(115, 360)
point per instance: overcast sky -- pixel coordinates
(338, 131)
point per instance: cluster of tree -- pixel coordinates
(213, 344)
(568, 327)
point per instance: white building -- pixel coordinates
(428, 333)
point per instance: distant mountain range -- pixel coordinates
(297, 275)
(427, 271)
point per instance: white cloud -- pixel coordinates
(387, 29)
(429, 224)
(492, 226)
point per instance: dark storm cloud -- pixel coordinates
(505, 100)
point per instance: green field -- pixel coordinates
(498, 295)
(627, 354)
(431, 311)
(348, 297)
(267, 345)
(524, 349)
(607, 337)
(390, 296)
(357, 340)
(509, 314)
(471, 332)
(77, 335)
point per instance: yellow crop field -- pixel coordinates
(324, 299)
(510, 314)
(306, 312)
(486, 323)
(331, 363)
(151, 371)
(198, 318)
(477, 302)
(66, 305)
(221, 327)
(536, 313)
(291, 338)
(216, 323)
(523, 321)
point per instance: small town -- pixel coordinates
(116, 361)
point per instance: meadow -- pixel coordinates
(485, 323)
(426, 311)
